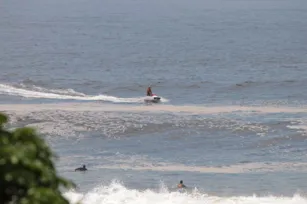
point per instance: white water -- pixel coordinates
(116, 193)
(39, 92)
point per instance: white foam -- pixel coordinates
(299, 124)
(41, 89)
(54, 121)
(39, 92)
(118, 194)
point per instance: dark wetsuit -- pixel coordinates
(81, 168)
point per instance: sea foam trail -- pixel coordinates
(118, 194)
(188, 109)
(62, 94)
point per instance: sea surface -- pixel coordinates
(232, 74)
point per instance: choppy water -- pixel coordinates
(232, 75)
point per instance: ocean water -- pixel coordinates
(232, 74)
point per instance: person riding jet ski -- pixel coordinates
(149, 92)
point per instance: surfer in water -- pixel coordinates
(81, 168)
(181, 185)
(149, 92)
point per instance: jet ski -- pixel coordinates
(152, 99)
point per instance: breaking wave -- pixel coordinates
(66, 94)
(116, 193)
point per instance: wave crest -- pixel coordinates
(116, 193)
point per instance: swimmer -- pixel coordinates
(181, 185)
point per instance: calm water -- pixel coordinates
(232, 76)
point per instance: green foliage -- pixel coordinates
(27, 172)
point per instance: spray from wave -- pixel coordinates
(116, 193)
(66, 94)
